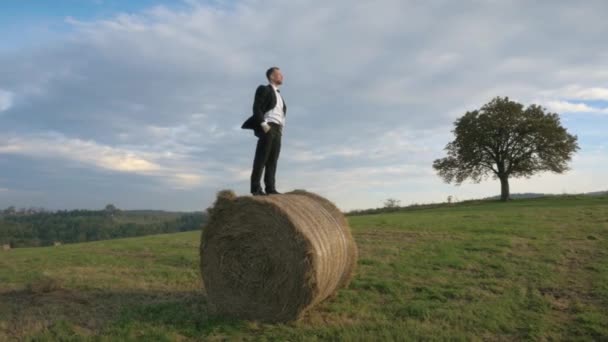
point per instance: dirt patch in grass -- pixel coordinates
(521, 246)
(572, 289)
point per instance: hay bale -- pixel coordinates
(271, 258)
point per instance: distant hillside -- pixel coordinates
(33, 228)
(528, 195)
(536, 195)
(596, 193)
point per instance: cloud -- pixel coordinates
(6, 100)
(87, 152)
(595, 93)
(372, 90)
(52, 145)
(571, 107)
(187, 180)
(578, 92)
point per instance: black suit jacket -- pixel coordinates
(265, 99)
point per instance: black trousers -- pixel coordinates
(266, 157)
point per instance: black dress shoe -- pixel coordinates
(258, 193)
(273, 192)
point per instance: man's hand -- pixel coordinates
(265, 127)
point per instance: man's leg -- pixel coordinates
(271, 164)
(262, 152)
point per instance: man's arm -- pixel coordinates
(258, 102)
(258, 113)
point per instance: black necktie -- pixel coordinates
(278, 91)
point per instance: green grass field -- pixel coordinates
(527, 269)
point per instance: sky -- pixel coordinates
(140, 103)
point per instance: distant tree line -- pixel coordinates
(40, 227)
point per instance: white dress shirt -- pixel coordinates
(276, 114)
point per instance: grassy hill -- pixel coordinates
(527, 269)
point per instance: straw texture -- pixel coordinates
(272, 258)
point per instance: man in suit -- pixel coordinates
(267, 121)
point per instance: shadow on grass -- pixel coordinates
(51, 311)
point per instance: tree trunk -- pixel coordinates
(504, 188)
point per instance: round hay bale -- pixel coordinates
(271, 258)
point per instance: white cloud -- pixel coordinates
(85, 151)
(187, 180)
(595, 93)
(88, 153)
(6, 100)
(575, 94)
(578, 92)
(570, 107)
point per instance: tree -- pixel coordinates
(110, 208)
(505, 140)
(391, 203)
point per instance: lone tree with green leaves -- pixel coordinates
(504, 139)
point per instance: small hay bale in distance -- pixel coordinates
(272, 258)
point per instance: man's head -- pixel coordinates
(274, 76)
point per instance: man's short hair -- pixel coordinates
(270, 71)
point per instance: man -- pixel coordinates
(267, 121)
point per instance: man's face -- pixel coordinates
(277, 77)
